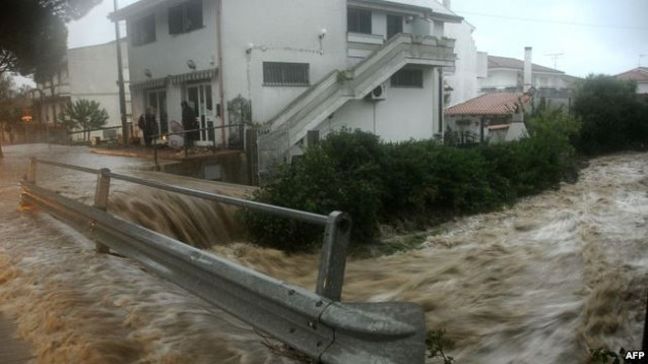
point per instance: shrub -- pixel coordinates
(385, 182)
(340, 174)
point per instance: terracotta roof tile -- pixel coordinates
(498, 103)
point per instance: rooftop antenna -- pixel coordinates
(555, 57)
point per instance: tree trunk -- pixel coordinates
(1, 155)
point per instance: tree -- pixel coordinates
(84, 114)
(12, 103)
(33, 36)
(613, 117)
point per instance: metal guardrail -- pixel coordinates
(316, 324)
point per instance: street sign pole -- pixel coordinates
(120, 81)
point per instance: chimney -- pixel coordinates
(447, 4)
(528, 69)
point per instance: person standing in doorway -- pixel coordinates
(149, 126)
(189, 123)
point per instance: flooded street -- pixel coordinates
(541, 282)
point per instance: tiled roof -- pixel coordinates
(432, 5)
(506, 62)
(498, 103)
(639, 74)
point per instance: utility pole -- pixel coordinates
(120, 81)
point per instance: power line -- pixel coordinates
(549, 21)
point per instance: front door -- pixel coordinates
(200, 99)
(156, 100)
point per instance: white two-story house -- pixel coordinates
(296, 67)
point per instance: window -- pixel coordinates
(285, 74)
(408, 77)
(144, 30)
(359, 21)
(185, 17)
(394, 25)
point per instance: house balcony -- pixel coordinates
(360, 46)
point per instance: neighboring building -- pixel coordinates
(461, 82)
(88, 73)
(303, 70)
(492, 117)
(640, 76)
(511, 75)
(54, 94)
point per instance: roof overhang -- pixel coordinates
(407, 7)
(138, 8)
(193, 76)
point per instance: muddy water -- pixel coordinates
(538, 283)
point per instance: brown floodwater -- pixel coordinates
(540, 282)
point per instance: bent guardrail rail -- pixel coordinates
(316, 324)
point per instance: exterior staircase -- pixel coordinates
(312, 107)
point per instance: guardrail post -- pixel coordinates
(101, 200)
(31, 172)
(333, 258)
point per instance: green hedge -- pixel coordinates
(386, 182)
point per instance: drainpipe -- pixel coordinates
(221, 90)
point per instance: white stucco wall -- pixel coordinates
(169, 53)
(406, 113)
(642, 88)
(501, 79)
(463, 80)
(505, 78)
(281, 31)
(93, 76)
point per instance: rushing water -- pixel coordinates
(541, 282)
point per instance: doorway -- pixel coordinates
(200, 99)
(157, 101)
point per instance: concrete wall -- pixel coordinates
(93, 76)
(463, 80)
(506, 78)
(406, 113)
(280, 31)
(169, 53)
(642, 88)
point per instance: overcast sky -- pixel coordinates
(595, 36)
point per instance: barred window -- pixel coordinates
(144, 30)
(359, 21)
(285, 74)
(408, 77)
(185, 17)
